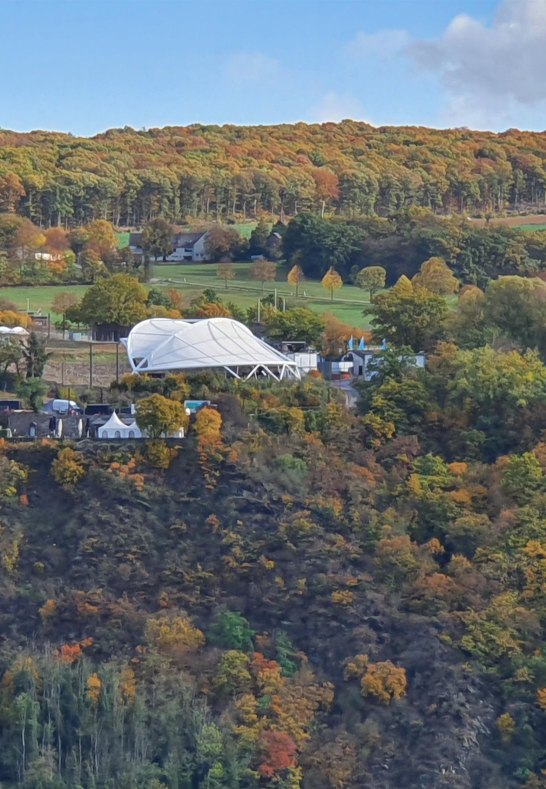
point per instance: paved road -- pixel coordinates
(351, 394)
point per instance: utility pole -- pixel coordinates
(117, 362)
(259, 310)
(90, 365)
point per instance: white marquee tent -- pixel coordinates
(115, 428)
(166, 344)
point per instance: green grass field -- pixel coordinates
(348, 303)
(532, 228)
(38, 298)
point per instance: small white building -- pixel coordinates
(305, 360)
(187, 248)
(360, 361)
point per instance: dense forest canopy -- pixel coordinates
(198, 171)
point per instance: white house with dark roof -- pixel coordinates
(187, 247)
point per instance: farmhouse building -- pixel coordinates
(186, 248)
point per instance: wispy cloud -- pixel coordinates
(337, 107)
(246, 69)
(383, 44)
(491, 72)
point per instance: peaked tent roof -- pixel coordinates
(114, 423)
(162, 344)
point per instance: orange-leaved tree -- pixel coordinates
(383, 680)
(263, 271)
(226, 271)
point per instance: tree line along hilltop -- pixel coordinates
(208, 172)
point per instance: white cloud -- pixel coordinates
(491, 72)
(337, 107)
(383, 44)
(247, 69)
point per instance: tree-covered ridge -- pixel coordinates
(296, 596)
(352, 168)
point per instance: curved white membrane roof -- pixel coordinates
(168, 344)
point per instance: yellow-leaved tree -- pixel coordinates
(383, 680)
(296, 277)
(436, 276)
(332, 281)
(159, 415)
(68, 468)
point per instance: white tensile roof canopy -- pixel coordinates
(167, 344)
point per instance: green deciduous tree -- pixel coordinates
(259, 237)
(298, 324)
(118, 300)
(35, 355)
(515, 306)
(157, 238)
(408, 315)
(372, 279)
(32, 390)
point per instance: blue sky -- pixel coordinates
(87, 65)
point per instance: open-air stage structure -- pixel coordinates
(161, 345)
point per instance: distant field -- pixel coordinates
(347, 305)
(532, 228)
(524, 222)
(191, 278)
(38, 298)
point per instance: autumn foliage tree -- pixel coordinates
(226, 271)
(295, 277)
(67, 468)
(436, 276)
(331, 281)
(208, 426)
(263, 271)
(383, 680)
(158, 416)
(278, 753)
(61, 304)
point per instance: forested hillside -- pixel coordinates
(294, 597)
(211, 172)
